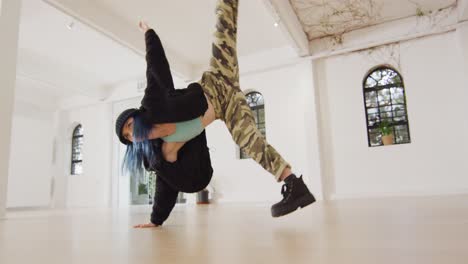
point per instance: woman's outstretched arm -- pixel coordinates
(164, 201)
(158, 72)
(162, 103)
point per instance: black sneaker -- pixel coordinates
(295, 194)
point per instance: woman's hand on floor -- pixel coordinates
(149, 225)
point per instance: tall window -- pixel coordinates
(77, 156)
(257, 104)
(385, 104)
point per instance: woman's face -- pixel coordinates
(127, 130)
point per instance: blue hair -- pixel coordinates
(140, 153)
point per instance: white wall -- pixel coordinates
(290, 129)
(30, 174)
(121, 181)
(92, 188)
(9, 27)
(31, 156)
(462, 34)
(435, 161)
(462, 10)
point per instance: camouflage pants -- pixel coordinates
(221, 85)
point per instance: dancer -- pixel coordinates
(166, 134)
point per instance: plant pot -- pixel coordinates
(387, 140)
(202, 197)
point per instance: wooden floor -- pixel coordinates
(402, 230)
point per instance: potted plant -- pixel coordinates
(203, 197)
(387, 133)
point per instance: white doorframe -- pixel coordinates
(120, 183)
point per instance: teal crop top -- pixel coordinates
(186, 130)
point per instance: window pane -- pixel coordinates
(77, 156)
(377, 75)
(388, 77)
(256, 103)
(372, 111)
(386, 113)
(401, 134)
(373, 116)
(384, 97)
(375, 137)
(243, 155)
(76, 150)
(262, 129)
(77, 144)
(255, 114)
(78, 131)
(254, 99)
(371, 99)
(260, 100)
(397, 95)
(370, 83)
(261, 115)
(77, 168)
(399, 113)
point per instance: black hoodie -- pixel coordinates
(162, 103)
(190, 173)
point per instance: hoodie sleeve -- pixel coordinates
(164, 201)
(158, 72)
(162, 103)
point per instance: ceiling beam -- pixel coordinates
(290, 24)
(120, 31)
(462, 10)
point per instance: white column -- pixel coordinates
(9, 28)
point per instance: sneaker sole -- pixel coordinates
(302, 202)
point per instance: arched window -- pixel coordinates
(385, 104)
(77, 156)
(257, 104)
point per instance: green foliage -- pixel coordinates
(420, 12)
(385, 128)
(151, 182)
(142, 189)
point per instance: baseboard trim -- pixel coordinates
(27, 208)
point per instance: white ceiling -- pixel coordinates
(346, 15)
(187, 26)
(84, 61)
(66, 62)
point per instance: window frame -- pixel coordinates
(75, 136)
(256, 112)
(377, 89)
